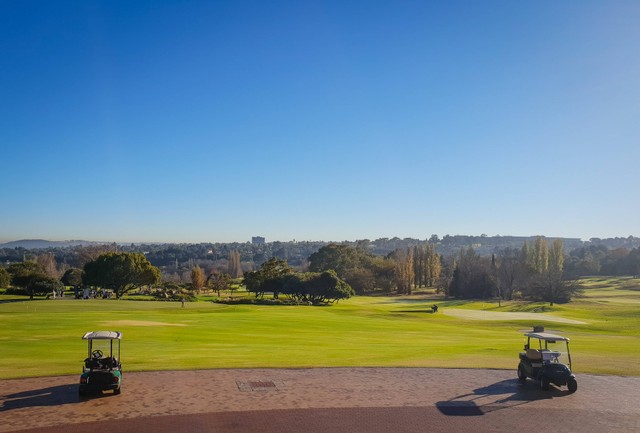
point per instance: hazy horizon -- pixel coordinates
(117, 241)
(204, 121)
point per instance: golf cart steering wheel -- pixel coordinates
(97, 354)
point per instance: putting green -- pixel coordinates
(461, 313)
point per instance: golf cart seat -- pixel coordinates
(100, 364)
(110, 362)
(534, 355)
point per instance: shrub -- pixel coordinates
(16, 291)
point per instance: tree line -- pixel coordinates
(121, 273)
(533, 272)
(400, 271)
(278, 278)
(612, 256)
(540, 269)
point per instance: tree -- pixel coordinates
(384, 273)
(527, 257)
(197, 277)
(72, 277)
(24, 274)
(556, 257)
(314, 287)
(404, 270)
(362, 270)
(20, 271)
(219, 281)
(264, 279)
(551, 287)
(589, 265)
(419, 266)
(330, 288)
(493, 273)
(548, 282)
(362, 280)
(472, 277)
(120, 272)
(234, 268)
(511, 272)
(433, 265)
(48, 264)
(427, 265)
(5, 278)
(253, 283)
(44, 285)
(448, 266)
(615, 263)
(541, 255)
(633, 262)
(91, 253)
(340, 258)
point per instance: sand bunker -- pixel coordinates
(497, 315)
(139, 323)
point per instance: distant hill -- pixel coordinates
(42, 243)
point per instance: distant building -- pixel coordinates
(258, 240)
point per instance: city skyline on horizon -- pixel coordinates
(267, 240)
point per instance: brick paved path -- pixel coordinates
(322, 400)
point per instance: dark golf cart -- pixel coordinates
(100, 372)
(541, 360)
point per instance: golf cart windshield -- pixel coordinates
(550, 348)
(103, 349)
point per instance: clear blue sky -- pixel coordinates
(206, 121)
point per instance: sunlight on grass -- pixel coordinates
(41, 338)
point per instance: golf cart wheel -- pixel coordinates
(543, 382)
(117, 391)
(522, 376)
(572, 385)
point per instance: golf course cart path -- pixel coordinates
(461, 313)
(610, 401)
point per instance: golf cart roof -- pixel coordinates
(102, 335)
(546, 336)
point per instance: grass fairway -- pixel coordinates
(42, 338)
